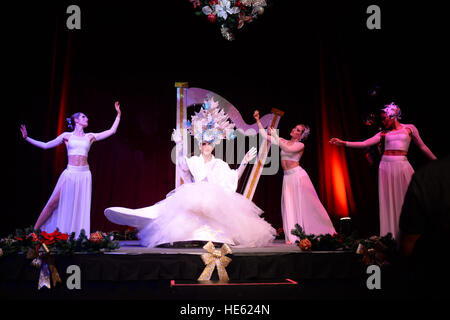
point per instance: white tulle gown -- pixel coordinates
(206, 208)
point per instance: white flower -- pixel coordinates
(223, 9)
(207, 10)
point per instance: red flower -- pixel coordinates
(212, 17)
(339, 236)
(34, 237)
(196, 3)
(240, 5)
(51, 238)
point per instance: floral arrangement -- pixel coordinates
(41, 247)
(29, 240)
(374, 250)
(231, 15)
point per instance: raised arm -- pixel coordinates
(418, 141)
(262, 131)
(181, 158)
(357, 144)
(247, 158)
(107, 133)
(43, 145)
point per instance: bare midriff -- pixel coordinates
(76, 160)
(395, 153)
(289, 164)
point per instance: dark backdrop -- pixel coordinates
(314, 60)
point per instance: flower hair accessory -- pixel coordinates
(211, 124)
(392, 111)
(305, 133)
(70, 123)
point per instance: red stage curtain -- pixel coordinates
(335, 117)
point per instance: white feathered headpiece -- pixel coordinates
(392, 111)
(210, 124)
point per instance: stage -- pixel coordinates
(275, 272)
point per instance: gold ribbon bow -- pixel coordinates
(364, 252)
(215, 258)
(46, 263)
(377, 254)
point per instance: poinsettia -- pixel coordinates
(51, 238)
(34, 237)
(222, 9)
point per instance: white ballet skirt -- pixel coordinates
(301, 205)
(73, 211)
(199, 211)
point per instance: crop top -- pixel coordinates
(78, 146)
(397, 140)
(293, 156)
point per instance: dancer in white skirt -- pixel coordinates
(299, 201)
(69, 206)
(206, 207)
(395, 172)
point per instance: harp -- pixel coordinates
(189, 97)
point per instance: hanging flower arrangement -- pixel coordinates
(231, 15)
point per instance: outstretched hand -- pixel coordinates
(256, 115)
(23, 129)
(273, 133)
(117, 106)
(337, 142)
(176, 136)
(250, 155)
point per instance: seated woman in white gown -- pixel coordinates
(206, 207)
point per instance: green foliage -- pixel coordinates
(28, 240)
(328, 242)
(128, 234)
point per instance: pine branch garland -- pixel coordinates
(28, 239)
(378, 250)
